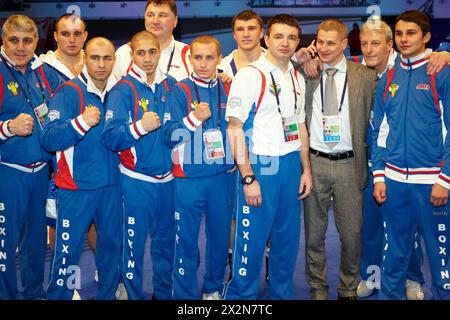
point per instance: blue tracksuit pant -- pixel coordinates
(407, 208)
(279, 218)
(148, 205)
(76, 210)
(213, 196)
(22, 224)
(372, 241)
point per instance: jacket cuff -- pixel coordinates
(378, 176)
(137, 130)
(191, 122)
(444, 181)
(4, 132)
(80, 125)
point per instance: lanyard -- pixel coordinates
(20, 86)
(233, 67)
(218, 95)
(169, 65)
(278, 98)
(342, 96)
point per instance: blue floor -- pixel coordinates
(88, 285)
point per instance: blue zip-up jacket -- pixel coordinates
(38, 83)
(83, 162)
(140, 151)
(184, 132)
(409, 140)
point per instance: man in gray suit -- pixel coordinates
(338, 104)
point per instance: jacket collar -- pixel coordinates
(205, 83)
(417, 61)
(90, 86)
(138, 74)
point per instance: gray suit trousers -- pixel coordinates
(335, 179)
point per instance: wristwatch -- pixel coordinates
(247, 180)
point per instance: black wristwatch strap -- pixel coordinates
(248, 179)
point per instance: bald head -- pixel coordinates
(144, 36)
(102, 42)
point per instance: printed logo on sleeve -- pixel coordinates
(234, 102)
(53, 115)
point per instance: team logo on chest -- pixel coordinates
(423, 86)
(393, 89)
(13, 86)
(144, 104)
(272, 89)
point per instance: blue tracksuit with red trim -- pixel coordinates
(87, 178)
(201, 186)
(146, 179)
(24, 176)
(52, 190)
(411, 154)
(372, 228)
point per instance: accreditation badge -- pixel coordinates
(213, 142)
(290, 128)
(41, 112)
(331, 128)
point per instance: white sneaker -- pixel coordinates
(212, 296)
(363, 291)
(76, 295)
(414, 290)
(121, 292)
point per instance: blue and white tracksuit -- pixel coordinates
(372, 227)
(146, 179)
(64, 74)
(411, 153)
(276, 164)
(24, 175)
(87, 179)
(201, 186)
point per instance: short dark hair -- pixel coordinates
(67, 16)
(284, 19)
(171, 3)
(417, 17)
(245, 16)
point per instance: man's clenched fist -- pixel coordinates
(202, 111)
(91, 116)
(22, 125)
(150, 121)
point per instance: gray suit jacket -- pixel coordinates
(361, 94)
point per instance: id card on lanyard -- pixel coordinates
(290, 124)
(213, 139)
(213, 142)
(332, 125)
(331, 128)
